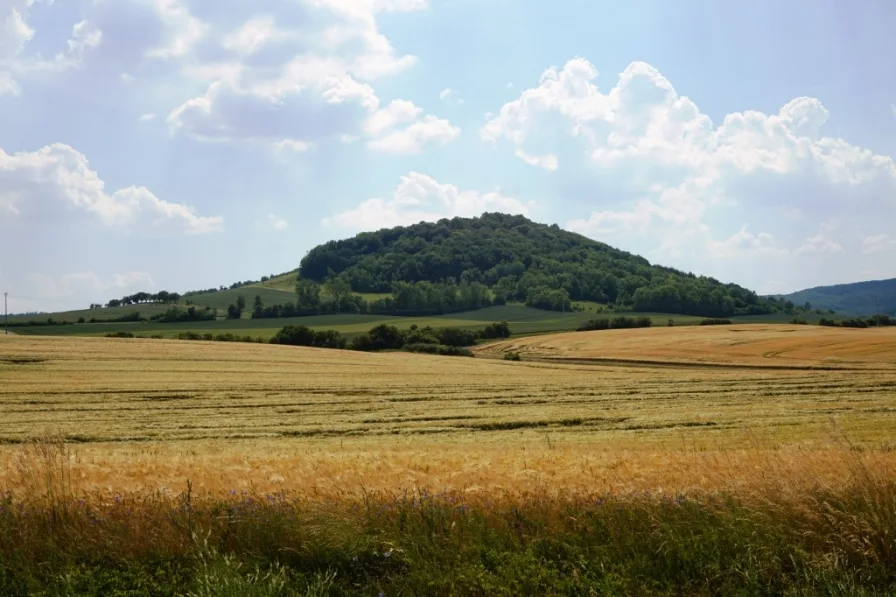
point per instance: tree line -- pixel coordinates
(449, 341)
(860, 322)
(163, 297)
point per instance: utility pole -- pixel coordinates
(5, 316)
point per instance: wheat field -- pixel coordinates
(745, 345)
(702, 409)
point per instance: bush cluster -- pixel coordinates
(299, 335)
(427, 340)
(615, 324)
(715, 321)
(859, 322)
(440, 349)
(389, 337)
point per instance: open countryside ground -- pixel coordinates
(276, 417)
(213, 468)
(754, 345)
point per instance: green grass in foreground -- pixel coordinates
(522, 320)
(451, 544)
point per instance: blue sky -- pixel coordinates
(180, 144)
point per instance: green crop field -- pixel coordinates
(224, 298)
(285, 282)
(522, 321)
(146, 310)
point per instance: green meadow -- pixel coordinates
(522, 320)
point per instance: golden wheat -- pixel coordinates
(147, 415)
(754, 345)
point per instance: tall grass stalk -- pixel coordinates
(781, 538)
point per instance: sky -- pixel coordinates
(183, 144)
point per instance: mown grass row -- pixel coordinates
(809, 542)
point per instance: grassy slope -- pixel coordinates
(224, 298)
(110, 313)
(217, 300)
(285, 282)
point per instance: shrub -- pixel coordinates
(496, 330)
(799, 322)
(425, 335)
(177, 315)
(881, 320)
(594, 324)
(512, 356)
(854, 323)
(385, 337)
(716, 321)
(120, 335)
(615, 324)
(363, 343)
(440, 349)
(827, 322)
(300, 335)
(189, 336)
(455, 337)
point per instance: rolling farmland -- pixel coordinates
(757, 345)
(202, 403)
(522, 320)
(762, 456)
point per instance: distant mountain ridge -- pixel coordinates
(860, 298)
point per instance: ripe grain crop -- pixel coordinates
(682, 462)
(149, 414)
(744, 345)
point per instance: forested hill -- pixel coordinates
(520, 260)
(861, 298)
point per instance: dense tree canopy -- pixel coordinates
(497, 258)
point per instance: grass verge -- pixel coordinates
(808, 541)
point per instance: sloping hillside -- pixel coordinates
(861, 298)
(520, 260)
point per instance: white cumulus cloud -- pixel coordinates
(421, 198)
(277, 223)
(55, 178)
(879, 243)
(664, 177)
(312, 82)
(430, 131)
(548, 162)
